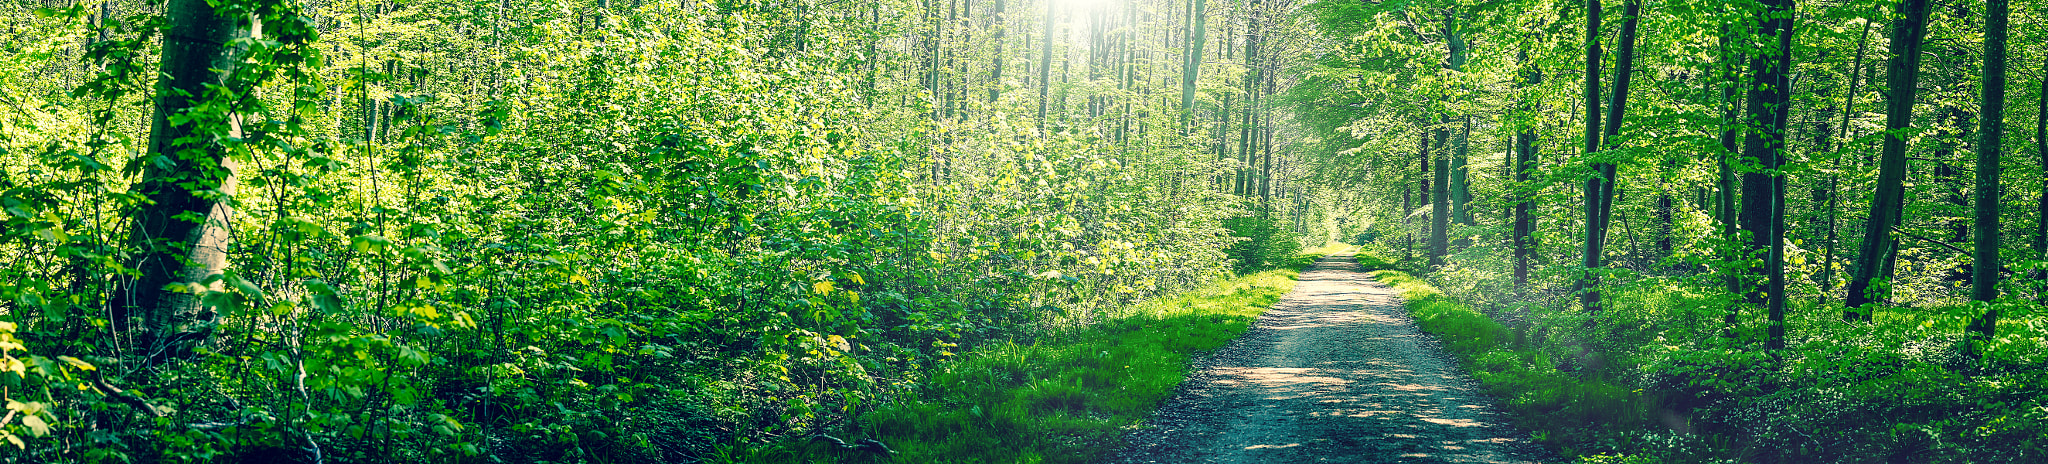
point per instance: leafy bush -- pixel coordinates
(1261, 243)
(621, 235)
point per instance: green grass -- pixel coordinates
(1068, 397)
(1655, 380)
(1567, 412)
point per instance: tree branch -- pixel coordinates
(1929, 240)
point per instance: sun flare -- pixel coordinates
(1085, 5)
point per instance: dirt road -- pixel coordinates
(1336, 372)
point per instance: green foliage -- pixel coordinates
(1676, 353)
(539, 231)
(1658, 378)
(1261, 244)
(1066, 396)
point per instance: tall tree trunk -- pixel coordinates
(2041, 150)
(1045, 66)
(1827, 270)
(1229, 103)
(1902, 80)
(995, 74)
(1525, 162)
(1247, 131)
(1408, 207)
(1440, 204)
(1599, 202)
(1461, 182)
(1461, 191)
(1948, 171)
(1192, 70)
(1268, 88)
(1990, 147)
(183, 232)
(1728, 183)
(1591, 97)
(1763, 188)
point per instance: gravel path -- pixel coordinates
(1336, 372)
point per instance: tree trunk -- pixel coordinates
(1440, 201)
(1525, 162)
(2041, 150)
(1247, 131)
(1460, 186)
(1827, 270)
(1461, 182)
(1599, 202)
(1902, 80)
(183, 232)
(1591, 97)
(995, 74)
(1422, 158)
(1990, 146)
(1192, 70)
(1045, 66)
(1763, 189)
(1728, 183)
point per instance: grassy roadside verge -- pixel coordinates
(1067, 397)
(1563, 411)
(1655, 380)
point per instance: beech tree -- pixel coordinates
(1990, 148)
(189, 182)
(1902, 79)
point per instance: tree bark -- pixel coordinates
(1990, 147)
(2041, 150)
(995, 74)
(1045, 66)
(1408, 208)
(1591, 96)
(1192, 70)
(1525, 162)
(1902, 80)
(1763, 188)
(1599, 202)
(182, 233)
(1728, 183)
(1460, 187)
(1440, 202)
(1247, 132)
(1461, 181)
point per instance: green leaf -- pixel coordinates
(248, 289)
(53, 234)
(36, 426)
(370, 243)
(324, 297)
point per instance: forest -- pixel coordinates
(994, 231)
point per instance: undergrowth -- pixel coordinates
(1635, 384)
(1063, 397)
